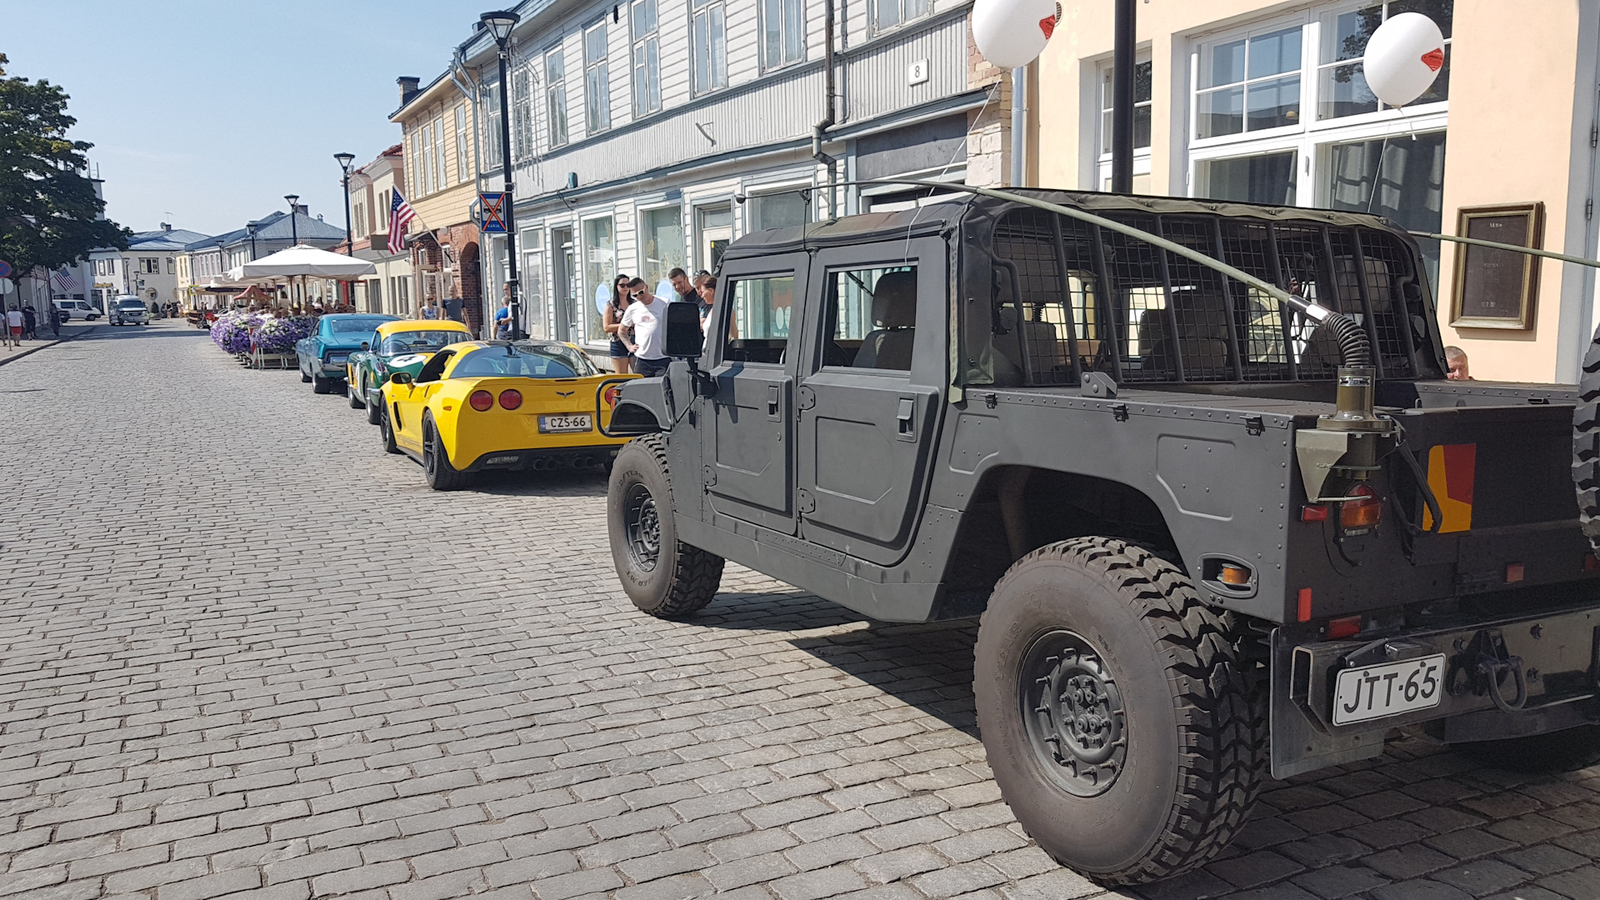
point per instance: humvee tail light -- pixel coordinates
(1303, 614)
(1313, 512)
(1363, 510)
(481, 400)
(1591, 563)
(1349, 626)
(1515, 572)
(1238, 576)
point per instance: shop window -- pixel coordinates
(661, 244)
(599, 263)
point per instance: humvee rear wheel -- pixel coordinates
(1120, 715)
(662, 575)
(1558, 751)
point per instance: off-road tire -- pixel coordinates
(375, 411)
(680, 579)
(436, 466)
(1189, 710)
(1586, 444)
(355, 395)
(1558, 751)
(386, 430)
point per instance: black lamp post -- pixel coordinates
(500, 24)
(222, 267)
(294, 231)
(344, 160)
(251, 227)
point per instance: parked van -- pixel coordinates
(79, 309)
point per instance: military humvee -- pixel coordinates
(1215, 525)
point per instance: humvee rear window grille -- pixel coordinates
(1069, 298)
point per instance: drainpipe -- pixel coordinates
(458, 72)
(1019, 125)
(829, 120)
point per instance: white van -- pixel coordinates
(79, 309)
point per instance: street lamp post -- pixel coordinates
(222, 268)
(294, 232)
(251, 227)
(344, 160)
(500, 25)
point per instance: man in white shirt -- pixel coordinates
(14, 327)
(647, 317)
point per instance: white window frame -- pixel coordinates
(555, 99)
(1141, 155)
(902, 17)
(1312, 140)
(427, 158)
(439, 141)
(767, 63)
(646, 58)
(596, 103)
(523, 79)
(461, 143)
(710, 16)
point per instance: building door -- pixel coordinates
(868, 396)
(563, 294)
(714, 227)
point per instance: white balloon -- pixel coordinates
(1403, 58)
(1012, 33)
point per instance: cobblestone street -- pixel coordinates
(244, 650)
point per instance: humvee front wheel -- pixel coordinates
(662, 575)
(1120, 716)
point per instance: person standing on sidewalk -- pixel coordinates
(647, 319)
(621, 358)
(30, 322)
(13, 327)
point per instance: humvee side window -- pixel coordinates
(872, 318)
(758, 326)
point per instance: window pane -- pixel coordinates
(1344, 92)
(555, 67)
(702, 53)
(1221, 112)
(1105, 132)
(916, 8)
(794, 30)
(1141, 82)
(653, 67)
(662, 246)
(594, 44)
(1273, 104)
(1442, 12)
(719, 59)
(599, 263)
(1227, 65)
(1275, 53)
(1344, 36)
(888, 14)
(772, 32)
(1408, 186)
(873, 318)
(1440, 89)
(1141, 127)
(758, 329)
(1252, 179)
(778, 210)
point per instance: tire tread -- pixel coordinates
(699, 573)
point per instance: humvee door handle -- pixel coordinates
(905, 419)
(774, 395)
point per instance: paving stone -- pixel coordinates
(1340, 881)
(1419, 890)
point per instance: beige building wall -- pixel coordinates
(1522, 101)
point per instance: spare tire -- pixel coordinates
(1586, 444)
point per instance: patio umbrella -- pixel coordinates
(303, 259)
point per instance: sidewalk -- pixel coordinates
(68, 333)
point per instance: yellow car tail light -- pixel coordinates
(481, 401)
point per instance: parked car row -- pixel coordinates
(460, 406)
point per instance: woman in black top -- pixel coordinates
(621, 359)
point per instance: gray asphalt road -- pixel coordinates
(243, 650)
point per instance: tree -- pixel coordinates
(50, 214)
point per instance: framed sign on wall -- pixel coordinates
(1496, 288)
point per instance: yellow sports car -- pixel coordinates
(480, 405)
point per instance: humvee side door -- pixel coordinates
(752, 343)
(868, 396)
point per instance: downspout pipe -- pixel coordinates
(1019, 126)
(831, 117)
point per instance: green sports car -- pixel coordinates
(401, 346)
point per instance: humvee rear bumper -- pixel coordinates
(1334, 701)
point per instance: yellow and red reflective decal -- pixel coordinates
(1452, 468)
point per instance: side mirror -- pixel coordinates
(400, 378)
(684, 338)
(365, 346)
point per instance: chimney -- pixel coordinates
(166, 226)
(408, 87)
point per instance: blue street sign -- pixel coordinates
(494, 217)
(5, 269)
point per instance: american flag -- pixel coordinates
(65, 281)
(400, 214)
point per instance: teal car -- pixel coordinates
(321, 357)
(398, 346)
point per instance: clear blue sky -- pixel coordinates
(204, 114)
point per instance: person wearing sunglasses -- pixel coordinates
(646, 317)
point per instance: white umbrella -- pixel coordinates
(303, 259)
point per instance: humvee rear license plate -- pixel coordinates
(1373, 692)
(559, 424)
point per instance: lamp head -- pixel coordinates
(500, 24)
(344, 160)
(294, 200)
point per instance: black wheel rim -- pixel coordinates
(1074, 713)
(641, 523)
(430, 462)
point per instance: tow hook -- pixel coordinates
(1482, 666)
